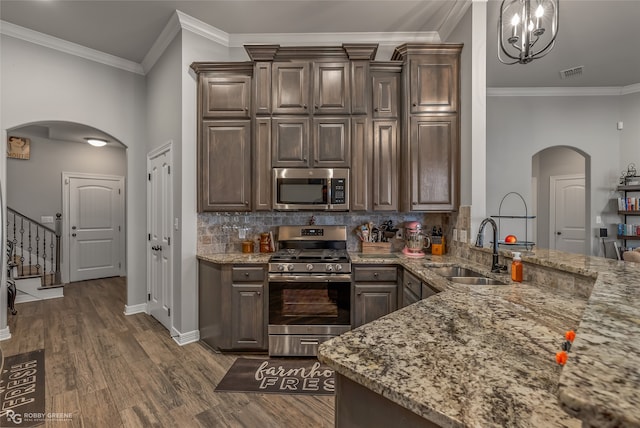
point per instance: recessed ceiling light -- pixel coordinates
(96, 142)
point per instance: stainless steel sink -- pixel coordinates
(462, 275)
(475, 280)
(455, 271)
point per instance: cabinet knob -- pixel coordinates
(375, 274)
(246, 109)
(375, 109)
(246, 274)
(246, 202)
(259, 293)
(359, 293)
(304, 159)
(304, 106)
(414, 104)
(316, 107)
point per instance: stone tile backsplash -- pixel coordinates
(219, 232)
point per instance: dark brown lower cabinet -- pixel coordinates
(358, 406)
(375, 293)
(232, 306)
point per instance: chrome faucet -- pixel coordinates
(495, 266)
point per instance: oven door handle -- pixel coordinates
(309, 278)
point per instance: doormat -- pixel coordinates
(22, 390)
(278, 376)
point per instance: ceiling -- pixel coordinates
(601, 35)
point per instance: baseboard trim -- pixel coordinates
(5, 334)
(185, 338)
(135, 309)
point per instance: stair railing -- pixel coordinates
(36, 246)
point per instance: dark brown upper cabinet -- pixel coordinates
(226, 96)
(433, 156)
(331, 93)
(433, 84)
(385, 94)
(225, 166)
(290, 87)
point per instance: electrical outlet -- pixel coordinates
(399, 234)
(462, 236)
(242, 233)
(455, 235)
(598, 219)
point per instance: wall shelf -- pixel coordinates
(626, 189)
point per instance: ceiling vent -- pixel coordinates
(571, 73)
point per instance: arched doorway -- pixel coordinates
(561, 188)
(36, 189)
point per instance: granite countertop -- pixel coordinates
(484, 355)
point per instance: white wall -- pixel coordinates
(194, 48)
(462, 34)
(41, 84)
(34, 186)
(519, 127)
(630, 134)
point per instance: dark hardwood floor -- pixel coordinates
(112, 370)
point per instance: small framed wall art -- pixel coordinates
(18, 147)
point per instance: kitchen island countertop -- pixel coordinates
(484, 355)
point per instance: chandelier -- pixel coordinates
(526, 30)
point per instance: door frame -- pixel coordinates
(66, 227)
(168, 149)
(553, 179)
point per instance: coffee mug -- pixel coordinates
(247, 246)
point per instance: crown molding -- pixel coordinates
(338, 39)
(555, 92)
(162, 42)
(631, 89)
(451, 21)
(22, 33)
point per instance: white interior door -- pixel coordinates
(159, 249)
(95, 226)
(567, 213)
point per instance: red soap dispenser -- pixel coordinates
(516, 267)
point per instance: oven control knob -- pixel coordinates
(281, 268)
(338, 268)
(290, 267)
(329, 268)
(309, 266)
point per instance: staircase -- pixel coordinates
(35, 263)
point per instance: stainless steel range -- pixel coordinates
(309, 289)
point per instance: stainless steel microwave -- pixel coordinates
(319, 189)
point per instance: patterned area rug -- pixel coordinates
(278, 376)
(22, 390)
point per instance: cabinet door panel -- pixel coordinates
(385, 95)
(331, 87)
(226, 96)
(331, 142)
(360, 88)
(247, 327)
(262, 162)
(373, 301)
(434, 84)
(385, 165)
(433, 153)
(362, 161)
(290, 86)
(225, 181)
(290, 142)
(262, 87)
